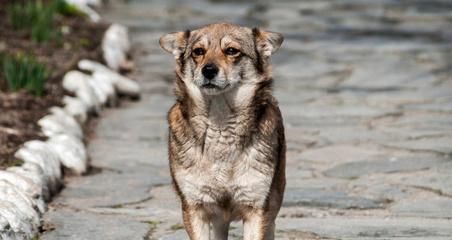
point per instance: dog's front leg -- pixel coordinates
(258, 225)
(220, 228)
(196, 223)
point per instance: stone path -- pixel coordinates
(365, 88)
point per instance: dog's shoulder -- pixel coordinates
(179, 128)
(175, 115)
(268, 115)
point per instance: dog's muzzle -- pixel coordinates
(209, 71)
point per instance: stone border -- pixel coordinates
(26, 190)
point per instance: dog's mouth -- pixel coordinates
(214, 86)
(210, 86)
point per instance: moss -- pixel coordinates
(176, 227)
(153, 224)
(86, 43)
(118, 206)
(14, 162)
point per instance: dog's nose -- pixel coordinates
(209, 71)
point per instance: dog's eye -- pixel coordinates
(231, 51)
(198, 51)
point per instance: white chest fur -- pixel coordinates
(237, 176)
(223, 169)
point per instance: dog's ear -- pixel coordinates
(175, 43)
(267, 42)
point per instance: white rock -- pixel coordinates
(101, 95)
(74, 80)
(25, 204)
(59, 122)
(40, 153)
(3, 224)
(76, 108)
(114, 57)
(10, 235)
(115, 46)
(35, 173)
(78, 82)
(71, 150)
(127, 86)
(25, 184)
(123, 85)
(19, 225)
(52, 157)
(92, 66)
(105, 84)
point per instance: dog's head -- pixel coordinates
(218, 57)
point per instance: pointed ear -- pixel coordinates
(267, 42)
(174, 42)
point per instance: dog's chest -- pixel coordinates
(225, 171)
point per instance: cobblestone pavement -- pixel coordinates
(365, 88)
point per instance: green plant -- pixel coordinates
(67, 9)
(22, 15)
(25, 72)
(38, 17)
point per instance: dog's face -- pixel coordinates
(219, 57)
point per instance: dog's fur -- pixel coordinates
(226, 141)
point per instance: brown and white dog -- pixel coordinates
(226, 136)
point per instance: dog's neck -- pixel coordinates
(238, 106)
(219, 109)
(224, 106)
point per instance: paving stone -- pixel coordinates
(334, 111)
(409, 133)
(378, 187)
(178, 235)
(347, 134)
(290, 68)
(438, 144)
(419, 126)
(430, 120)
(370, 227)
(79, 225)
(444, 168)
(112, 188)
(410, 99)
(336, 154)
(328, 198)
(382, 164)
(317, 123)
(430, 181)
(435, 107)
(316, 182)
(436, 207)
(392, 72)
(147, 151)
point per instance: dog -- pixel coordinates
(226, 135)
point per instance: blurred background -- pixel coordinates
(365, 89)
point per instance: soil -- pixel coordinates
(20, 111)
